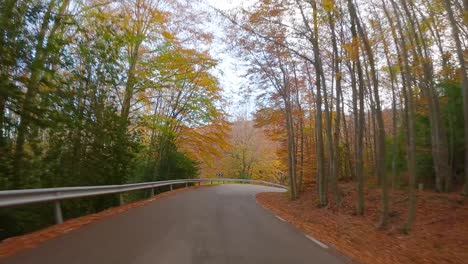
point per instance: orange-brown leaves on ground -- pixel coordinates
(440, 234)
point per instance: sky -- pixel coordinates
(230, 68)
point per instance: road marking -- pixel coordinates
(316, 241)
(280, 218)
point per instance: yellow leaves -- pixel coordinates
(206, 143)
(352, 49)
(426, 24)
(168, 35)
(159, 16)
(328, 5)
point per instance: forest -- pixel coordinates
(369, 92)
(101, 93)
(373, 93)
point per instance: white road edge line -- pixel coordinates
(280, 218)
(316, 241)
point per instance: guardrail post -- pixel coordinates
(121, 199)
(186, 184)
(58, 212)
(151, 192)
(170, 187)
(199, 183)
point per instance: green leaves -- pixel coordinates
(66, 73)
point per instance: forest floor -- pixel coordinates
(439, 235)
(14, 245)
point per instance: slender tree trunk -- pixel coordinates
(129, 86)
(9, 9)
(301, 133)
(37, 70)
(291, 147)
(407, 81)
(359, 112)
(380, 146)
(348, 156)
(438, 132)
(393, 83)
(320, 85)
(336, 133)
(462, 62)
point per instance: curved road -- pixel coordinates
(221, 224)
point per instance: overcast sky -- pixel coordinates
(230, 69)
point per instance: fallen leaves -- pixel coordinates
(440, 233)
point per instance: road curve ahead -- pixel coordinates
(218, 225)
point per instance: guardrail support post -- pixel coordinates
(199, 183)
(151, 192)
(58, 212)
(186, 184)
(121, 199)
(170, 186)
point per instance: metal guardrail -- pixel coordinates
(32, 196)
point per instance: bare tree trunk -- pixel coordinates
(129, 86)
(462, 62)
(336, 140)
(380, 146)
(301, 133)
(331, 155)
(358, 97)
(291, 147)
(393, 83)
(320, 85)
(441, 157)
(350, 164)
(407, 81)
(359, 116)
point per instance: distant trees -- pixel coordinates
(374, 73)
(250, 154)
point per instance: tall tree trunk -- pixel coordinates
(442, 155)
(291, 148)
(320, 85)
(130, 84)
(407, 82)
(300, 139)
(7, 11)
(336, 133)
(462, 62)
(359, 111)
(351, 170)
(37, 70)
(380, 146)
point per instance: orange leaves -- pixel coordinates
(168, 35)
(206, 143)
(352, 49)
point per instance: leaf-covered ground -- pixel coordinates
(16, 244)
(440, 233)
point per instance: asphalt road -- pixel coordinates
(218, 225)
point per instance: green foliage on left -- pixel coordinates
(88, 98)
